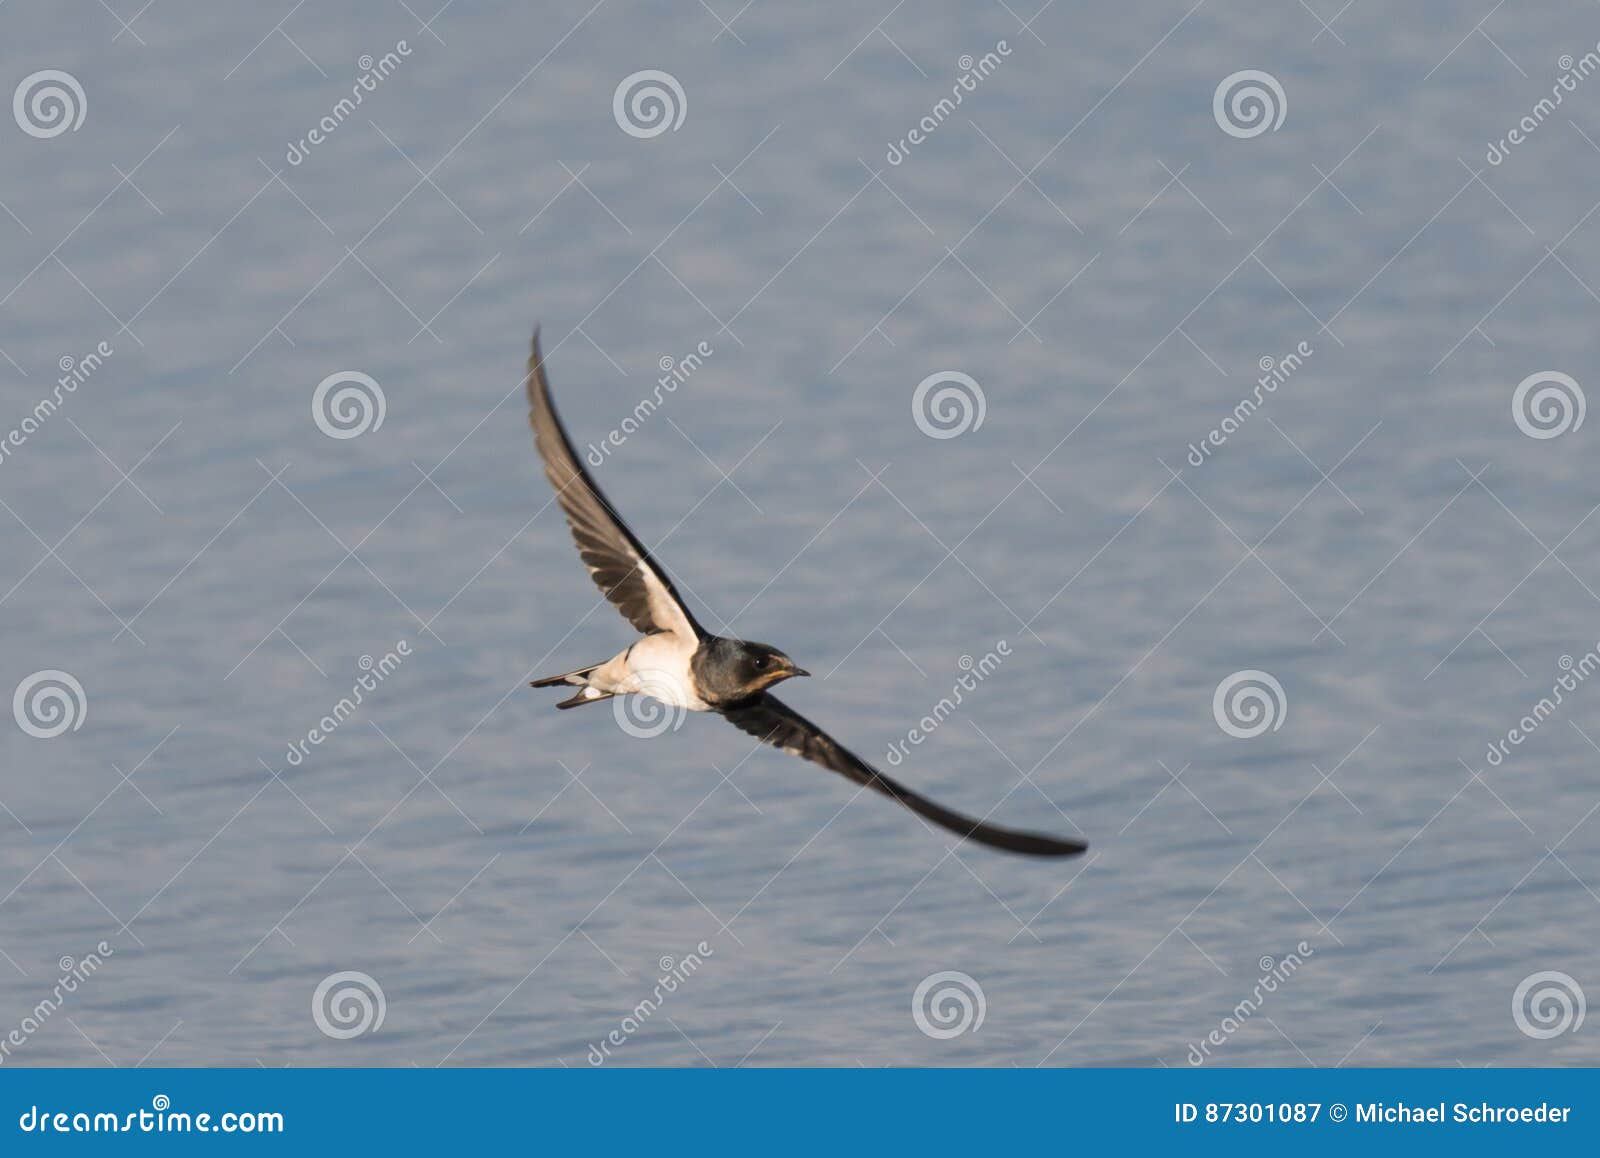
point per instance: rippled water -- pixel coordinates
(1082, 238)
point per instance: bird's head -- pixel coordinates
(737, 668)
(761, 665)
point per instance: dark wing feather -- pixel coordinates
(616, 559)
(774, 722)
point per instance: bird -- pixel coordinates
(679, 663)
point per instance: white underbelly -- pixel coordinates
(658, 666)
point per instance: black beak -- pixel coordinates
(797, 671)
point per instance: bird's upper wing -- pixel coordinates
(774, 722)
(616, 559)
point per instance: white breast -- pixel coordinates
(658, 667)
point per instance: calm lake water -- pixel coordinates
(1106, 248)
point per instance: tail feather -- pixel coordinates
(580, 680)
(585, 695)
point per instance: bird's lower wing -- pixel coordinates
(774, 722)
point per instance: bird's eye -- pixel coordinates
(761, 662)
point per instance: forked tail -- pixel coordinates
(578, 679)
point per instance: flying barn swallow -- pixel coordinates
(679, 663)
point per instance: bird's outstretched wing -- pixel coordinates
(774, 722)
(616, 559)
